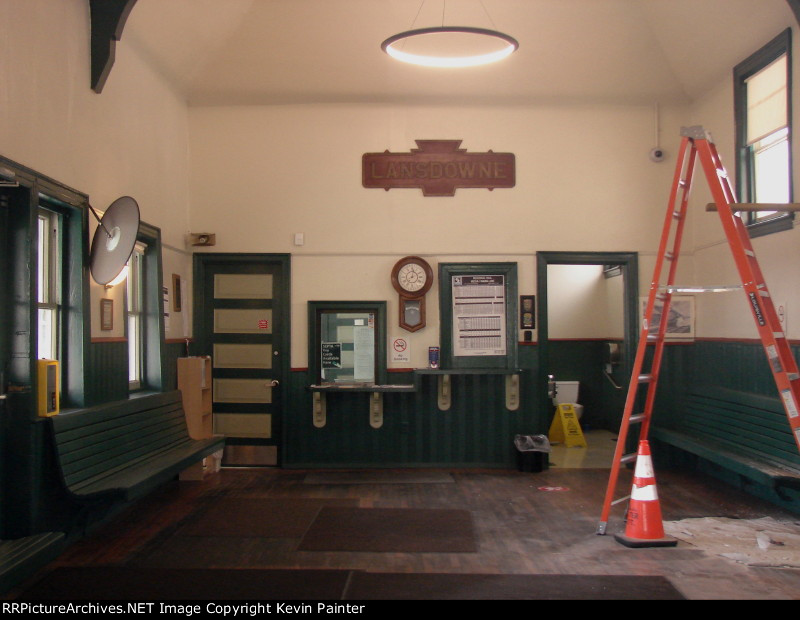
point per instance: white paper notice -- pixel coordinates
(364, 354)
(479, 315)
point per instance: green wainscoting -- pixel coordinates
(477, 431)
(107, 379)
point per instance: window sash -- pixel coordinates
(763, 99)
(135, 317)
(48, 285)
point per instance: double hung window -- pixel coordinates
(763, 133)
(48, 294)
(135, 317)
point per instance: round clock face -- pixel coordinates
(411, 277)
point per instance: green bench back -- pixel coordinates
(110, 437)
(748, 422)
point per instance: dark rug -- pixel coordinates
(259, 517)
(127, 584)
(405, 530)
(154, 584)
(440, 586)
(379, 477)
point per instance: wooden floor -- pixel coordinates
(525, 523)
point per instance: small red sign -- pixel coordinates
(263, 324)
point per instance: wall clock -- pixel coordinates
(412, 277)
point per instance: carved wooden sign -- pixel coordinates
(438, 167)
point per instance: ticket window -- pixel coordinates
(347, 343)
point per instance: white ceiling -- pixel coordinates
(220, 52)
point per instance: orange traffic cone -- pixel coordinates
(643, 526)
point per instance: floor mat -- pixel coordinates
(128, 584)
(404, 530)
(153, 584)
(440, 586)
(267, 518)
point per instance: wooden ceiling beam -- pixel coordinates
(107, 21)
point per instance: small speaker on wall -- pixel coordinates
(202, 238)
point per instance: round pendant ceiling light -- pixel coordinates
(450, 46)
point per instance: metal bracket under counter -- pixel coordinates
(445, 391)
(376, 392)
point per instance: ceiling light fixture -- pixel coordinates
(450, 46)
(458, 39)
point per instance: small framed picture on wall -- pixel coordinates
(106, 314)
(176, 292)
(680, 324)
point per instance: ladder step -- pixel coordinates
(635, 419)
(620, 500)
(629, 458)
(687, 288)
(645, 378)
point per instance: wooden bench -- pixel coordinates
(745, 433)
(122, 450)
(22, 557)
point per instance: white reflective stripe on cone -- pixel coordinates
(645, 494)
(644, 467)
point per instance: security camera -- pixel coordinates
(657, 154)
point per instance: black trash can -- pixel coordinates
(533, 452)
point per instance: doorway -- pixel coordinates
(242, 320)
(603, 393)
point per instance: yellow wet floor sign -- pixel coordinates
(565, 428)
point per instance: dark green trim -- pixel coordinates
(22, 263)
(446, 272)
(780, 45)
(315, 308)
(629, 263)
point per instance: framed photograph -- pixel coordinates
(106, 314)
(176, 292)
(680, 323)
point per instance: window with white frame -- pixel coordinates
(48, 294)
(135, 317)
(763, 133)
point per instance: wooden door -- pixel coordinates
(242, 304)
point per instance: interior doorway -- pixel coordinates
(574, 346)
(241, 313)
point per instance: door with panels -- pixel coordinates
(241, 304)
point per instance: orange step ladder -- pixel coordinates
(696, 143)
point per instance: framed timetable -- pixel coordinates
(479, 315)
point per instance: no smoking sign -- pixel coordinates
(400, 350)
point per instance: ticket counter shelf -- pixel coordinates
(376, 392)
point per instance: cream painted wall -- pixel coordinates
(130, 140)
(727, 314)
(582, 303)
(261, 174)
